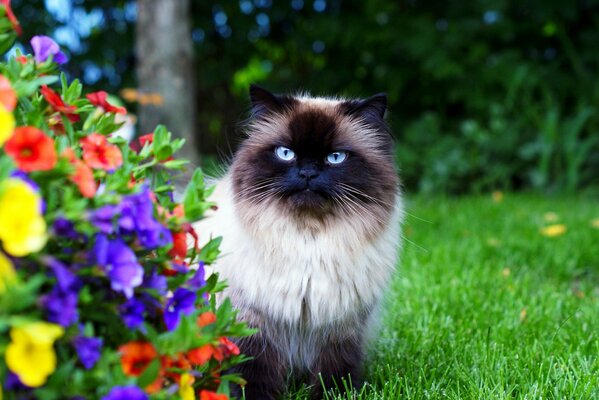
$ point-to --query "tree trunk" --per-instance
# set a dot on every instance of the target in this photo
(164, 50)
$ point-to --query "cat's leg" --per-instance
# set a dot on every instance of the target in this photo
(339, 359)
(265, 373)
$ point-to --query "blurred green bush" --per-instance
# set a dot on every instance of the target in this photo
(483, 94)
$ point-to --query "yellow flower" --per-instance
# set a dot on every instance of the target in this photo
(7, 124)
(553, 230)
(31, 355)
(185, 387)
(22, 226)
(7, 274)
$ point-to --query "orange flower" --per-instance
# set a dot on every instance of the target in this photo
(99, 99)
(206, 318)
(31, 149)
(136, 357)
(203, 354)
(59, 105)
(180, 363)
(209, 395)
(83, 175)
(99, 154)
(8, 97)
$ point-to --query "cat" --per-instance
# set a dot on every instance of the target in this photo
(310, 212)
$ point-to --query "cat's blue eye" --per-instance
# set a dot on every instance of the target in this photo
(284, 153)
(337, 157)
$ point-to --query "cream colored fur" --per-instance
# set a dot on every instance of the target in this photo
(302, 282)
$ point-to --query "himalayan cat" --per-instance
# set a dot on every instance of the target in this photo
(310, 213)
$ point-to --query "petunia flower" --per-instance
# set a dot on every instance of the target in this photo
(126, 393)
(206, 318)
(182, 302)
(99, 99)
(209, 395)
(186, 391)
(61, 307)
(22, 225)
(203, 354)
(11, 17)
(88, 350)
(59, 105)
(8, 96)
(30, 354)
(31, 149)
(132, 313)
(44, 47)
(7, 125)
(172, 365)
(119, 263)
(136, 357)
(82, 176)
(99, 154)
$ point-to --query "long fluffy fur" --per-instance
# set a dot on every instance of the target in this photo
(309, 283)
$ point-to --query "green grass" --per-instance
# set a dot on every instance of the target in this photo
(485, 307)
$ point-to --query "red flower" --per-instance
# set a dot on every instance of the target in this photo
(136, 357)
(58, 104)
(228, 347)
(147, 138)
(31, 149)
(99, 154)
(179, 250)
(83, 175)
(209, 395)
(98, 99)
(8, 97)
(203, 354)
(22, 59)
(11, 16)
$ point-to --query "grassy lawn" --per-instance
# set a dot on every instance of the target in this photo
(486, 307)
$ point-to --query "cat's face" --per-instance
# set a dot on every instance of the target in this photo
(316, 157)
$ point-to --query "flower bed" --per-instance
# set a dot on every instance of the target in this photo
(100, 297)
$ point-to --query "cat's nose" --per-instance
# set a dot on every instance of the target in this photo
(308, 173)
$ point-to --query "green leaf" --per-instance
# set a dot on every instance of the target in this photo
(150, 374)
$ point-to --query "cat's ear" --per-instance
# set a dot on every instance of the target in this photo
(265, 102)
(372, 108)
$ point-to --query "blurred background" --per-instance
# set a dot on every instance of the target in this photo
(483, 95)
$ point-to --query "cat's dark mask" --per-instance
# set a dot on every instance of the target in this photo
(316, 155)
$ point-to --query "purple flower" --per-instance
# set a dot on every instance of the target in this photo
(103, 218)
(88, 349)
(156, 282)
(13, 383)
(65, 228)
(61, 307)
(126, 393)
(135, 217)
(199, 278)
(61, 303)
(183, 301)
(132, 313)
(44, 47)
(119, 263)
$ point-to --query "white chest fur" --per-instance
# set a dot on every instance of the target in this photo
(297, 277)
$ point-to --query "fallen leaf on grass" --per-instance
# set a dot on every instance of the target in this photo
(523, 315)
(550, 217)
(553, 230)
(497, 196)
